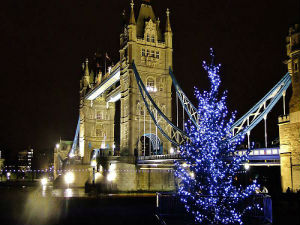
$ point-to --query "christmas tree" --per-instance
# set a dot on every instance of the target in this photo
(209, 161)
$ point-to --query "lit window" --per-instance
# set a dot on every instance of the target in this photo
(152, 53)
(157, 54)
(99, 116)
(153, 39)
(148, 38)
(143, 52)
(151, 85)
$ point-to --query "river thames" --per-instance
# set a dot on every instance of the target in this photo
(40, 205)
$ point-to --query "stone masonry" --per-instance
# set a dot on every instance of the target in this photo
(289, 125)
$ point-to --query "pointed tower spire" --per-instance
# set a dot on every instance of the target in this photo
(132, 18)
(92, 75)
(86, 72)
(168, 24)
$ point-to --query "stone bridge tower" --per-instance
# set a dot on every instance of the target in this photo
(289, 125)
(143, 43)
(96, 117)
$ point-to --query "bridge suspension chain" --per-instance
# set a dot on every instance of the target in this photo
(190, 109)
(174, 134)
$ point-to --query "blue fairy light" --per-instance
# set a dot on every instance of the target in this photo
(206, 176)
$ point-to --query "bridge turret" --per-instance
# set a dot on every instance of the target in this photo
(132, 24)
(86, 75)
(289, 125)
(293, 52)
(143, 42)
(168, 31)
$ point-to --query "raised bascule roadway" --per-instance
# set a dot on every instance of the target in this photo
(142, 81)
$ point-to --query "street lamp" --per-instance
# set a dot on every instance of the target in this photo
(111, 176)
(44, 181)
(247, 166)
(69, 178)
(171, 150)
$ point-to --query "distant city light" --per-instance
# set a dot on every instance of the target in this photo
(8, 175)
(57, 146)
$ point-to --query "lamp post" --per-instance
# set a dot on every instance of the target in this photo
(69, 178)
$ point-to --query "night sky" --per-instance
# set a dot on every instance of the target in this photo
(43, 44)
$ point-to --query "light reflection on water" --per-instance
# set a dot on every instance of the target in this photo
(49, 191)
(67, 193)
(46, 205)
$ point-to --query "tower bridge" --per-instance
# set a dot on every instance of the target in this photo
(141, 81)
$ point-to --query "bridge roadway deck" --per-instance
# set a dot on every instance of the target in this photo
(257, 157)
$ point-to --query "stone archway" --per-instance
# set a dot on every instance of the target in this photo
(150, 143)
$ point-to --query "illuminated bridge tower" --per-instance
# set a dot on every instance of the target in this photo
(96, 117)
(143, 43)
(289, 125)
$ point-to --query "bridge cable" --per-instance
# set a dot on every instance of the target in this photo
(266, 135)
(150, 132)
(169, 130)
(144, 130)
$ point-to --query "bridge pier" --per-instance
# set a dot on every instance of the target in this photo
(124, 174)
(289, 125)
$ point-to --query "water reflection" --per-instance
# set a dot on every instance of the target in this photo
(46, 205)
(40, 210)
(68, 193)
(44, 189)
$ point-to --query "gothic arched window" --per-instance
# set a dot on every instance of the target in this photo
(152, 39)
(148, 38)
